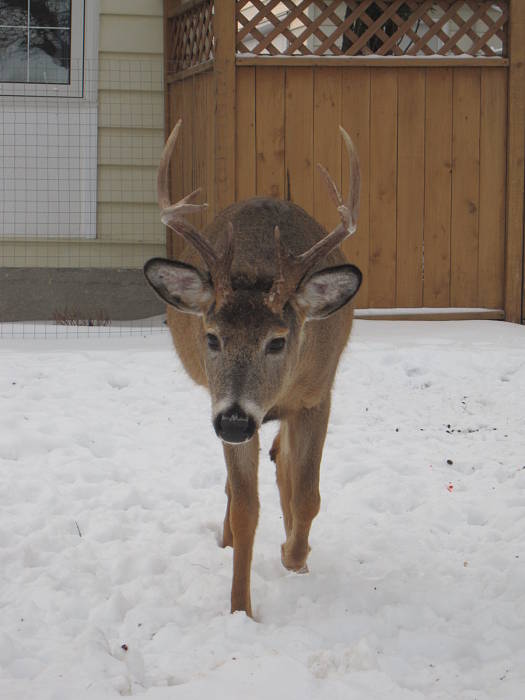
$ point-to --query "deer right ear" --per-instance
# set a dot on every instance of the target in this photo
(180, 285)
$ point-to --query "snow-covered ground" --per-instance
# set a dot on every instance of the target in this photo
(111, 500)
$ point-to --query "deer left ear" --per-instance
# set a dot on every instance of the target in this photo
(328, 290)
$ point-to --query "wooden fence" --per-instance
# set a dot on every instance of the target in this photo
(432, 93)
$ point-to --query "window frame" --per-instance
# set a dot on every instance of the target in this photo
(82, 26)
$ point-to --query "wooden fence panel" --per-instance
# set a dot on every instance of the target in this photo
(410, 186)
(438, 178)
(327, 141)
(193, 162)
(200, 175)
(210, 146)
(224, 30)
(440, 141)
(174, 243)
(189, 135)
(245, 135)
(299, 137)
(514, 241)
(493, 145)
(269, 130)
(355, 118)
(383, 177)
(465, 188)
(432, 146)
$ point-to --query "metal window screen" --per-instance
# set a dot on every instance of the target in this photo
(79, 215)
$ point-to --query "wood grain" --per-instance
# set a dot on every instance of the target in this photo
(514, 264)
(355, 118)
(299, 137)
(491, 285)
(410, 186)
(269, 129)
(383, 176)
(245, 136)
(465, 188)
(438, 180)
(174, 243)
(327, 141)
(225, 118)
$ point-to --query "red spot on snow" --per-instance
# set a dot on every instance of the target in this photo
(450, 487)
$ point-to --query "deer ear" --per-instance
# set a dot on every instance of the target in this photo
(328, 290)
(180, 285)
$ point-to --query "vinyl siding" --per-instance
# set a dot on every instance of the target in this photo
(130, 129)
(130, 136)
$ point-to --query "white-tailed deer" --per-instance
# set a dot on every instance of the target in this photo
(257, 326)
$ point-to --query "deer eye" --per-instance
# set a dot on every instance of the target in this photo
(275, 346)
(213, 341)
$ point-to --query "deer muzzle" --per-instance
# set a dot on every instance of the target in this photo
(234, 425)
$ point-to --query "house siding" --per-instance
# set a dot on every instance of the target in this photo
(130, 136)
(130, 130)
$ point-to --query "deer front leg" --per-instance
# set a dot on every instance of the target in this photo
(242, 512)
(227, 537)
(301, 443)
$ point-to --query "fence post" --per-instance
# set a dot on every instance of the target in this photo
(168, 10)
(224, 28)
(515, 164)
(173, 243)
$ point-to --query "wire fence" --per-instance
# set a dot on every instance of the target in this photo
(79, 215)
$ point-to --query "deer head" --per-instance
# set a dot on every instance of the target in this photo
(251, 340)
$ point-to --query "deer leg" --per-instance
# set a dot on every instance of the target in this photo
(302, 439)
(227, 537)
(283, 482)
(243, 513)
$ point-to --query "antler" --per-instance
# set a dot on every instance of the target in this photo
(291, 269)
(219, 265)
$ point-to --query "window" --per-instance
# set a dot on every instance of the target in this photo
(42, 47)
(36, 47)
(48, 118)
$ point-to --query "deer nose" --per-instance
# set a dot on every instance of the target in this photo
(234, 425)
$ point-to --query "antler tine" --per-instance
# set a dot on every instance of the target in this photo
(292, 268)
(349, 208)
(219, 266)
(169, 211)
(163, 188)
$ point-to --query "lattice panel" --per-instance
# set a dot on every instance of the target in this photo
(366, 27)
(191, 37)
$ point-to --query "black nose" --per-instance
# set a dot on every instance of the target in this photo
(234, 425)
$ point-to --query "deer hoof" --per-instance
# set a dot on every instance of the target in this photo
(293, 563)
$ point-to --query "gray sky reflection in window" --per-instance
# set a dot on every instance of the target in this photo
(35, 41)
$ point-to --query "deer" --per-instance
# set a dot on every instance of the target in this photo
(262, 325)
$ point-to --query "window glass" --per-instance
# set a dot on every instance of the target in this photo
(35, 41)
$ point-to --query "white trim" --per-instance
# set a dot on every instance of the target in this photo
(424, 310)
(91, 35)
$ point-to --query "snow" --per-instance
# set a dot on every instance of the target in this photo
(111, 501)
